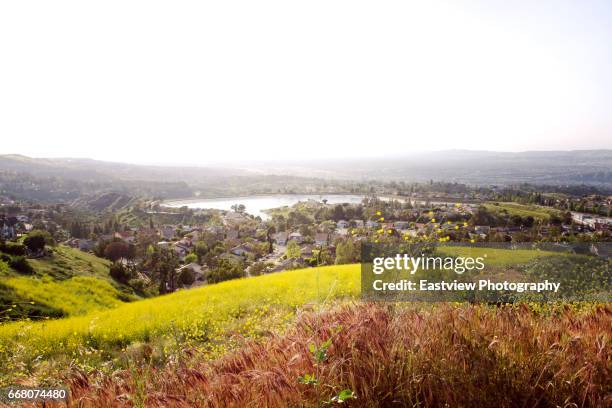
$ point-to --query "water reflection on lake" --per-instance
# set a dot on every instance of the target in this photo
(256, 204)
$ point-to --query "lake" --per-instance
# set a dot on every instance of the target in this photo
(257, 204)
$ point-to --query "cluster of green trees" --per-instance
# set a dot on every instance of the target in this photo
(581, 198)
(15, 253)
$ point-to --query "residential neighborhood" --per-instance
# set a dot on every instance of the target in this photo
(309, 233)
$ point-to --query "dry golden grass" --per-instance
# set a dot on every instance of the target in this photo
(389, 355)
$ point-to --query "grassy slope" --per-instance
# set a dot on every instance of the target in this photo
(205, 316)
(70, 282)
(199, 313)
(75, 296)
(405, 355)
(537, 212)
(494, 256)
(67, 262)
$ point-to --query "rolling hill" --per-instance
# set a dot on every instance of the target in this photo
(270, 340)
(67, 283)
(206, 318)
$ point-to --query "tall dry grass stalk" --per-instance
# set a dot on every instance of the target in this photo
(392, 356)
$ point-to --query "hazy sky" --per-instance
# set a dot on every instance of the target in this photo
(200, 81)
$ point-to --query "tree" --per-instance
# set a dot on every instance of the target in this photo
(226, 270)
(306, 230)
(186, 277)
(36, 240)
(117, 250)
(191, 257)
(239, 208)
(347, 252)
(528, 221)
(259, 268)
(163, 263)
(339, 213)
(201, 249)
(270, 238)
(293, 250)
(324, 257)
(119, 273)
(12, 248)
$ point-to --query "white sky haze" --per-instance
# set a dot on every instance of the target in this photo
(201, 81)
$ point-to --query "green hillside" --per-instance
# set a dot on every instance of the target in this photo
(535, 211)
(69, 282)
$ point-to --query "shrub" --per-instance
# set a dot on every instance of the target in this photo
(119, 273)
(191, 258)
(139, 285)
(226, 270)
(259, 268)
(186, 277)
(35, 242)
(20, 264)
(12, 248)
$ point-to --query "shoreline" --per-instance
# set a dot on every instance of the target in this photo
(179, 202)
(174, 202)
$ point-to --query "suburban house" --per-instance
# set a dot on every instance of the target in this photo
(82, 244)
(232, 217)
(186, 242)
(241, 250)
(357, 223)
(342, 224)
(106, 237)
(371, 224)
(214, 233)
(195, 235)
(306, 251)
(167, 232)
(482, 229)
(281, 238)
(321, 238)
(7, 232)
(180, 249)
(147, 232)
(401, 225)
(197, 271)
(342, 231)
(297, 237)
(232, 234)
(125, 236)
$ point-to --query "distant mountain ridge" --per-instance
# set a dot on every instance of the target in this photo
(593, 167)
(71, 179)
(101, 170)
